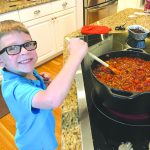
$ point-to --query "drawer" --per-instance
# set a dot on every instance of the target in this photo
(69, 3)
(10, 15)
(34, 12)
(38, 11)
(57, 6)
(62, 5)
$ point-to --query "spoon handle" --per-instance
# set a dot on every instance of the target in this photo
(98, 59)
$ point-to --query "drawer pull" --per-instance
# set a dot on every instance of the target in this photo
(54, 18)
(36, 12)
(64, 4)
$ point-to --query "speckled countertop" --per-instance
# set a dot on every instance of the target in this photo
(71, 131)
(12, 5)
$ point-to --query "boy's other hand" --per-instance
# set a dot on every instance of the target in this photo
(46, 77)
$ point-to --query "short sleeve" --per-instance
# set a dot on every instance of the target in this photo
(24, 93)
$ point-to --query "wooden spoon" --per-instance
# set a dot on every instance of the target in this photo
(104, 63)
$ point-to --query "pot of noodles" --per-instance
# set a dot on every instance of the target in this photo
(127, 91)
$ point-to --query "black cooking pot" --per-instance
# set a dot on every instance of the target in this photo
(116, 99)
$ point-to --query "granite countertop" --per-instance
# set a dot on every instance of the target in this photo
(71, 131)
(12, 5)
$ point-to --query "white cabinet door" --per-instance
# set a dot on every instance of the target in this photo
(48, 28)
(42, 31)
(65, 23)
(49, 32)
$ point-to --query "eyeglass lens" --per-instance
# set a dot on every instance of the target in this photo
(16, 49)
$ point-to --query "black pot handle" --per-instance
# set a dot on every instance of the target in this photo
(122, 94)
(136, 50)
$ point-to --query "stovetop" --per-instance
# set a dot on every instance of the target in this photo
(100, 129)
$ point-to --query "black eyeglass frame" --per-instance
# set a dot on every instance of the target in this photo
(20, 46)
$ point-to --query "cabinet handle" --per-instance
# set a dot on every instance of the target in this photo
(54, 18)
(36, 12)
(64, 4)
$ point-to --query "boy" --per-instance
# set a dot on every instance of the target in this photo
(24, 91)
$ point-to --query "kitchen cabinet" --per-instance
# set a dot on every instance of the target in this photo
(63, 23)
(41, 31)
(10, 15)
(49, 32)
(130, 4)
(37, 20)
(48, 24)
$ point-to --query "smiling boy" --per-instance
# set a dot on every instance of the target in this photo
(29, 100)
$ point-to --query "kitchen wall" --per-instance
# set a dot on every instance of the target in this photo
(130, 4)
(79, 13)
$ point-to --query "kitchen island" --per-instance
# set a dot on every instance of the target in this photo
(72, 137)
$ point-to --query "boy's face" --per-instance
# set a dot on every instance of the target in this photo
(21, 63)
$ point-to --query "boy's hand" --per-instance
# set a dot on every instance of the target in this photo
(46, 77)
(77, 48)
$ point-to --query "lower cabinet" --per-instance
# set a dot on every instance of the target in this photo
(48, 24)
(41, 31)
(49, 32)
(63, 24)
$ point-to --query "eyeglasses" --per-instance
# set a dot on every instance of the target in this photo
(16, 49)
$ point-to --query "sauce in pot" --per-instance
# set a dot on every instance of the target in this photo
(134, 76)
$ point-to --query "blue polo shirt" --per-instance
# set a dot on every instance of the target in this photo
(35, 128)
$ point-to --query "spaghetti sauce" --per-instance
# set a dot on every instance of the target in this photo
(134, 76)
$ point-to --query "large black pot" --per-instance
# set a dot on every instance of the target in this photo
(119, 100)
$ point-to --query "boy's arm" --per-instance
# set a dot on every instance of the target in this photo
(55, 93)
